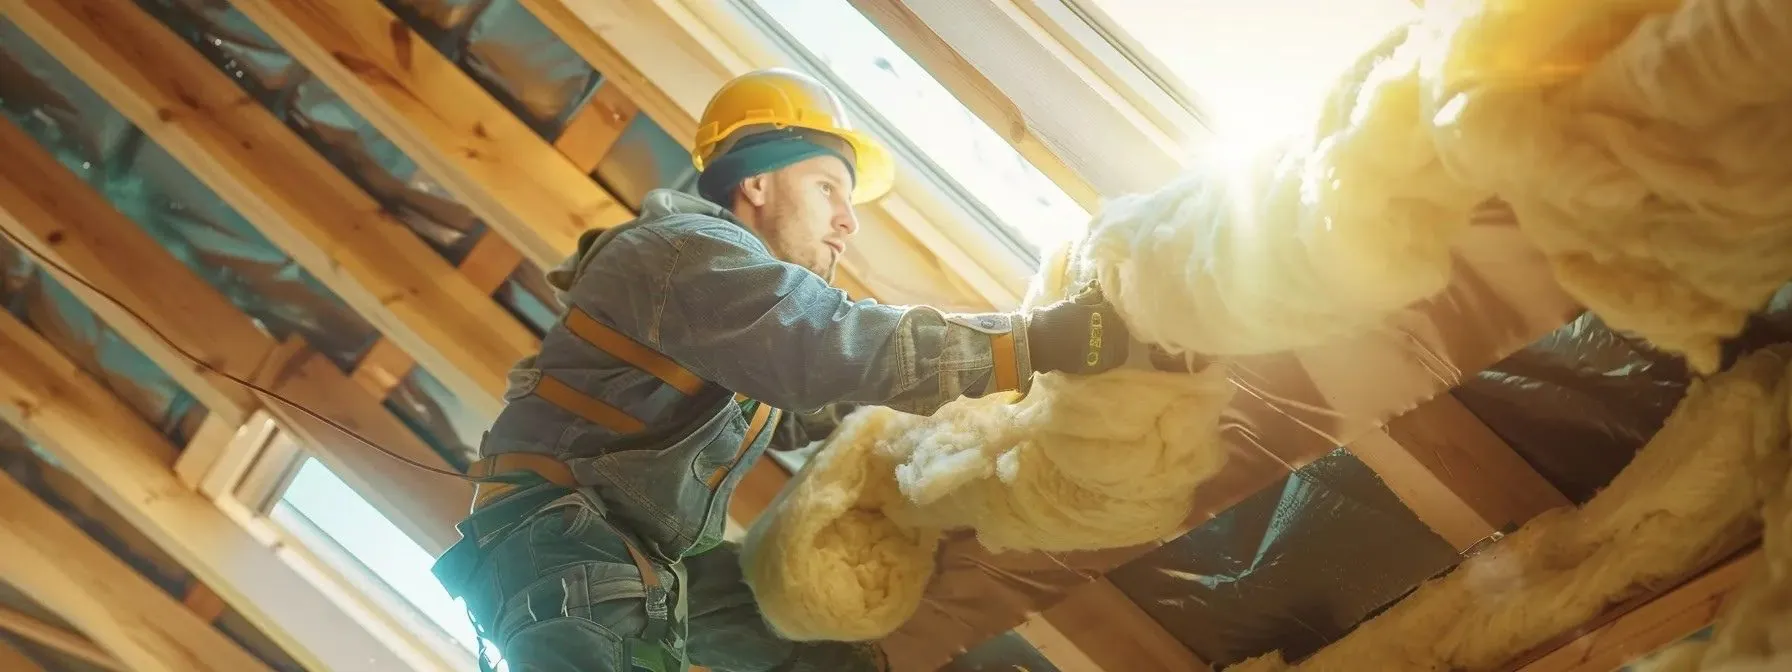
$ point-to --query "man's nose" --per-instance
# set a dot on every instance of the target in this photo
(847, 221)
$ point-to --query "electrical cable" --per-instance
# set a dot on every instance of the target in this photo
(45, 260)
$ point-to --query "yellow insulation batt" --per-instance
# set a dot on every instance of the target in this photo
(1645, 146)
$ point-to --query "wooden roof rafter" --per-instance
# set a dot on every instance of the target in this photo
(529, 192)
(286, 189)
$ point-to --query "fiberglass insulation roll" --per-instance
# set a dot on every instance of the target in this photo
(1644, 145)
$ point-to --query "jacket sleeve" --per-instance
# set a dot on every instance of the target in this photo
(711, 297)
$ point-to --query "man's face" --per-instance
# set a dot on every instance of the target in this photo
(804, 213)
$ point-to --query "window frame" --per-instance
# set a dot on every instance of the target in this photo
(247, 478)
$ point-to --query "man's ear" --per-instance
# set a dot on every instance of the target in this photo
(755, 188)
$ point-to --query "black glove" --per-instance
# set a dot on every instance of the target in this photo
(1082, 334)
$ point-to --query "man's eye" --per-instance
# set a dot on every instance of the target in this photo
(827, 189)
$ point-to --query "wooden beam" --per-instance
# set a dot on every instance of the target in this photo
(53, 212)
(649, 49)
(594, 128)
(68, 643)
(513, 179)
(426, 506)
(1097, 627)
(295, 197)
(102, 245)
(14, 660)
(203, 602)
(119, 457)
(487, 266)
(1664, 620)
(647, 94)
(976, 92)
(50, 560)
(1460, 478)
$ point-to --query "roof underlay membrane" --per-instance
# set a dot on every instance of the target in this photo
(1291, 556)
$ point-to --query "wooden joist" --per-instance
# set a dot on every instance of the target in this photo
(14, 660)
(976, 92)
(54, 213)
(650, 52)
(1460, 478)
(1662, 621)
(100, 244)
(1097, 627)
(646, 94)
(62, 641)
(596, 127)
(588, 136)
(121, 458)
(499, 167)
(287, 190)
(52, 561)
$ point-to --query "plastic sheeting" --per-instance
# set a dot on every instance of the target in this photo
(437, 416)
(1292, 567)
(1580, 402)
(1291, 410)
(1298, 564)
(156, 192)
(1577, 404)
(1007, 652)
(36, 299)
(645, 158)
(240, 49)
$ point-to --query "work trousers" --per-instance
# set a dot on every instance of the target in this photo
(560, 592)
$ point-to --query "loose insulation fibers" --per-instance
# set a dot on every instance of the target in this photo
(1645, 146)
(1692, 494)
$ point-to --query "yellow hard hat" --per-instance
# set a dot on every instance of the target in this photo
(781, 98)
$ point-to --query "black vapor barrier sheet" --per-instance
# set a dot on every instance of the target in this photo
(1300, 563)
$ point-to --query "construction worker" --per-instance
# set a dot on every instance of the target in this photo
(595, 542)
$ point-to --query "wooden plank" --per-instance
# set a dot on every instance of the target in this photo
(424, 505)
(1097, 627)
(102, 245)
(119, 457)
(68, 643)
(287, 190)
(654, 53)
(49, 210)
(593, 129)
(58, 566)
(1667, 619)
(1461, 479)
(491, 261)
(756, 490)
(976, 92)
(513, 179)
(618, 71)
(203, 602)
(382, 368)
(14, 660)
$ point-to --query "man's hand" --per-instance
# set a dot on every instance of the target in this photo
(1082, 334)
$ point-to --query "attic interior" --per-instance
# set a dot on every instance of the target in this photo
(357, 198)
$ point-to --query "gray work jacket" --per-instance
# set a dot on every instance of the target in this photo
(692, 284)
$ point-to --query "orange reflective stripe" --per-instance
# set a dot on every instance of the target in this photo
(1007, 374)
(761, 417)
(582, 405)
(588, 329)
(547, 467)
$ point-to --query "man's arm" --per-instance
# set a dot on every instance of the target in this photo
(710, 296)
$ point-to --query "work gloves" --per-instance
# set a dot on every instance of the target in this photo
(1082, 335)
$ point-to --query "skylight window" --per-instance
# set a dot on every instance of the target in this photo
(320, 498)
(1258, 68)
(1025, 202)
